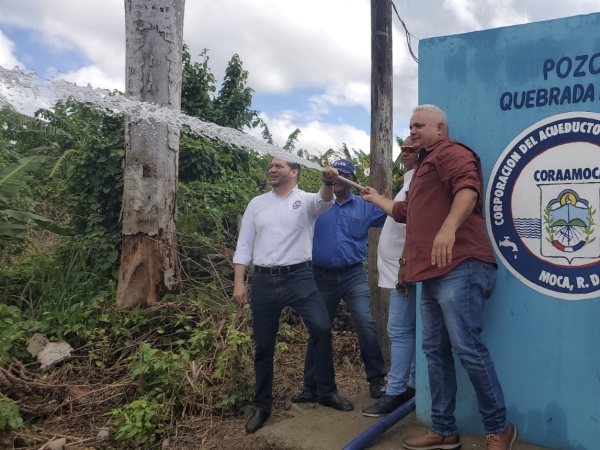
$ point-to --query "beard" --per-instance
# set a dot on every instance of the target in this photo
(280, 180)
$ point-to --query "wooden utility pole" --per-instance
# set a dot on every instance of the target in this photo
(381, 146)
(149, 263)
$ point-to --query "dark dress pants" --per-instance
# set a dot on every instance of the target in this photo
(270, 294)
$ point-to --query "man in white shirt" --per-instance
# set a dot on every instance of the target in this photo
(277, 232)
(402, 313)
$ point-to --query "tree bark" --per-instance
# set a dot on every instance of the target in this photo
(381, 146)
(149, 263)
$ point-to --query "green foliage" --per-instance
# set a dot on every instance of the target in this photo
(14, 332)
(197, 86)
(204, 160)
(231, 107)
(60, 301)
(9, 414)
(16, 176)
(13, 178)
(141, 421)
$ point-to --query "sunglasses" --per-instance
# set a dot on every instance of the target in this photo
(346, 175)
(407, 148)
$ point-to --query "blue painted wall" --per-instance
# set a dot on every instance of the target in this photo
(546, 349)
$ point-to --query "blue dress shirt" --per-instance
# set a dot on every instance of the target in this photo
(341, 233)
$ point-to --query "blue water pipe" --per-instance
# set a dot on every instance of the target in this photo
(363, 440)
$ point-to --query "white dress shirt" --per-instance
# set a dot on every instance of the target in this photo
(278, 231)
(391, 243)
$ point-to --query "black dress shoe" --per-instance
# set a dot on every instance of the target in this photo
(305, 397)
(257, 420)
(336, 401)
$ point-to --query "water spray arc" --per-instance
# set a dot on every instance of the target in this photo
(17, 84)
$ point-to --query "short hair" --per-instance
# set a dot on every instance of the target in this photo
(435, 109)
(294, 166)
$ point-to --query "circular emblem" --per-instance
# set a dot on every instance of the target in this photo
(543, 206)
(296, 204)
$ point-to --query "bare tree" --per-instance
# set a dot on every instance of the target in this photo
(381, 145)
(149, 263)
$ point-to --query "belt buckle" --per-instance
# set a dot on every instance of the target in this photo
(275, 270)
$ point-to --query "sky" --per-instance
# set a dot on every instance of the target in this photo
(309, 61)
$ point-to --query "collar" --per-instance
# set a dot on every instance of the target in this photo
(351, 197)
(295, 188)
(424, 151)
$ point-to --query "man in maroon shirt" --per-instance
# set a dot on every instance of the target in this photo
(449, 252)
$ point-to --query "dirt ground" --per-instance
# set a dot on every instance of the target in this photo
(291, 427)
(313, 427)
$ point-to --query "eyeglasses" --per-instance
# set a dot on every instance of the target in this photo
(407, 148)
(345, 175)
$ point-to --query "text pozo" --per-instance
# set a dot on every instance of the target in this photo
(577, 67)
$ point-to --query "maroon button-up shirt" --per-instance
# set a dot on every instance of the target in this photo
(443, 169)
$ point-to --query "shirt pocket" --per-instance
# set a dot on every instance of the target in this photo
(356, 227)
(425, 171)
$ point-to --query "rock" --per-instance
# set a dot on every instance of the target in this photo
(165, 444)
(52, 354)
(36, 344)
(295, 407)
(103, 433)
(247, 410)
(57, 444)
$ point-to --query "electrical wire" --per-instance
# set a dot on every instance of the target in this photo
(409, 35)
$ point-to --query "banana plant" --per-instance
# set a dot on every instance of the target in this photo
(13, 178)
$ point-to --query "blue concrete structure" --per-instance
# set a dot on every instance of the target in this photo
(516, 92)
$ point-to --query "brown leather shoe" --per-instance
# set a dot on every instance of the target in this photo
(432, 441)
(504, 440)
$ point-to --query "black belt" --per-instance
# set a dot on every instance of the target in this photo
(282, 270)
(339, 270)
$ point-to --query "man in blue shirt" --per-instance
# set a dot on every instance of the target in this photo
(339, 249)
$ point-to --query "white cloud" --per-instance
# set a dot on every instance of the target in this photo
(350, 94)
(7, 58)
(464, 10)
(476, 15)
(95, 28)
(286, 45)
(93, 76)
(316, 137)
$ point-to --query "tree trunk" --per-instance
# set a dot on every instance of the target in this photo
(381, 146)
(149, 263)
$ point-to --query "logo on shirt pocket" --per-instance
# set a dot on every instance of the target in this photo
(297, 204)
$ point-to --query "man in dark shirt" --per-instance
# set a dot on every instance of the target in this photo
(448, 251)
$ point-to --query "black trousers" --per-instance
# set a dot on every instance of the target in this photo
(270, 294)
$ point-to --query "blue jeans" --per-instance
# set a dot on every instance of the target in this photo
(401, 328)
(270, 294)
(351, 285)
(452, 313)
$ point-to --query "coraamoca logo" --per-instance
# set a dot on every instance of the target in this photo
(543, 206)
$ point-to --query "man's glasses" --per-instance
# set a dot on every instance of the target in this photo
(407, 148)
(345, 175)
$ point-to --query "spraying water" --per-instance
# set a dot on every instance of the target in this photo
(18, 84)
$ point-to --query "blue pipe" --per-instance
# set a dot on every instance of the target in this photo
(363, 440)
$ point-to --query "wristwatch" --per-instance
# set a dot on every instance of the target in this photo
(328, 183)
(402, 262)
